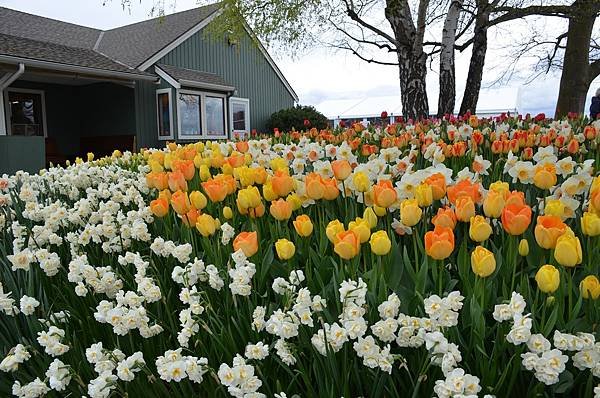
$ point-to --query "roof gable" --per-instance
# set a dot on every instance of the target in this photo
(136, 43)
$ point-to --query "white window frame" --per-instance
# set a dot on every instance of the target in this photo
(8, 112)
(246, 102)
(172, 135)
(203, 135)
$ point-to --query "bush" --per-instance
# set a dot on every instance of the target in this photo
(293, 118)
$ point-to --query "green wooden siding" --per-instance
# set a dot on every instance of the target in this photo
(242, 65)
(21, 153)
(145, 114)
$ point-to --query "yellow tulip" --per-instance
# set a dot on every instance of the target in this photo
(285, 249)
(410, 212)
(483, 262)
(590, 224)
(227, 213)
(206, 225)
(198, 200)
(547, 278)
(501, 187)
(590, 287)
(294, 200)
(568, 251)
(380, 243)
(249, 198)
(555, 207)
(361, 182)
(370, 216)
(204, 173)
(479, 229)
(303, 225)
(333, 228)
(493, 204)
(380, 211)
(362, 229)
(268, 192)
(523, 247)
(424, 195)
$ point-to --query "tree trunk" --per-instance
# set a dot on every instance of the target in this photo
(447, 80)
(413, 90)
(412, 60)
(475, 75)
(575, 79)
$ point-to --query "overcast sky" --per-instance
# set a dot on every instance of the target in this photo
(317, 75)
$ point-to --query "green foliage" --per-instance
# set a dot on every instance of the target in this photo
(293, 119)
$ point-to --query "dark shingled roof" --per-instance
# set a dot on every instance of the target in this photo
(34, 27)
(57, 53)
(134, 44)
(194, 75)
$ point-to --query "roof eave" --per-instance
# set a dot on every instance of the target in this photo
(38, 63)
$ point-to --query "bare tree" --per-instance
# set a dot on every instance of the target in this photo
(447, 76)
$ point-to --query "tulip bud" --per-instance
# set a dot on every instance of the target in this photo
(206, 225)
(361, 182)
(361, 227)
(568, 252)
(198, 200)
(547, 278)
(479, 229)
(347, 245)
(523, 247)
(424, 195)
(370, 216)
(285, 249)
(410, 212)
(303, 225)
(590, 224)
(227, 213)
(590, 287)
(333, 228)
(483, 262)
(380, 243)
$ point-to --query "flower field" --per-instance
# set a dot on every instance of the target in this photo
(439, 258)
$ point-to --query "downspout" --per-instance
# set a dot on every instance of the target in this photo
(6, 81)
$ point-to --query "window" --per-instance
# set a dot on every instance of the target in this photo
(215, 116)
(240, 116)
(190, 120)
(165, 121)
(26, 112)
(201, 115)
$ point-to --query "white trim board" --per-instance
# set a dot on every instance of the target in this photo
(171, 115)
(245, 101)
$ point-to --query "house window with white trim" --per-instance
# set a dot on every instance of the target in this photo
(164, 117)
(240, 116)
(201, 115)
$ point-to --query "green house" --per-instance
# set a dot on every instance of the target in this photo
(66, 90)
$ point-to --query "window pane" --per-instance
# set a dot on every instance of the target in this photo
(164, 115)
(189, 113)
(26, 117)
(238, 110)
(215, 115)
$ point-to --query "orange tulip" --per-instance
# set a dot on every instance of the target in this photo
(545, 176)
(331, 189)
(347, 244)
(180, 202)
(159, 207)
(516, 218)
(515, 198)
(190, 217)
(464, 188)
(314, 186)
(548, 230)
(439, 243)
(282, 183)
(303, 225)
(187, 168)
(595, 198)
(281, 209)
(215, 190)
(341, 169)
(465, 208)
(242, 146)
(445, 217)
(177, 181)
(247, 242)
(384, 194)
(437, 182)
